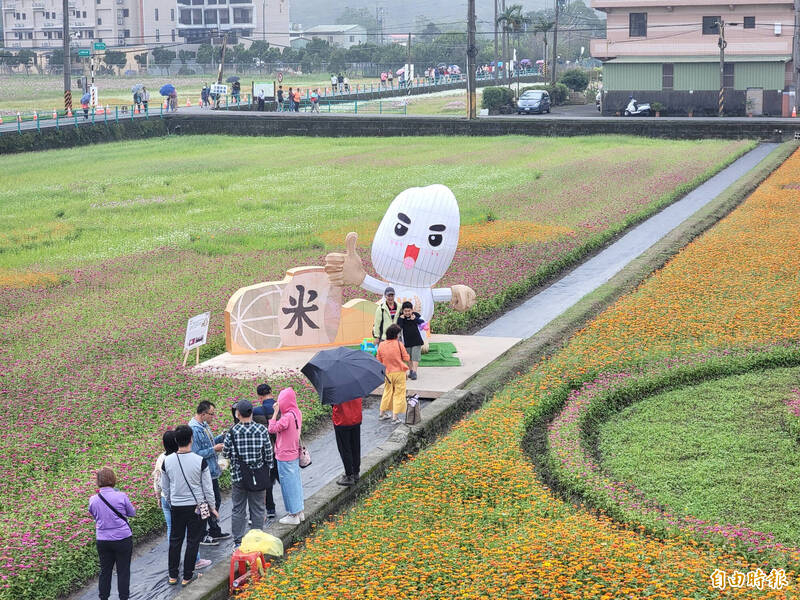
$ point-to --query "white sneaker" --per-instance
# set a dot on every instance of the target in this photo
(290, 520)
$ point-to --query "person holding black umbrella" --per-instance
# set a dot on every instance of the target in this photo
(347, 427)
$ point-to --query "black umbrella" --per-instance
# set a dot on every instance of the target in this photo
(341, 374)
(232, 79)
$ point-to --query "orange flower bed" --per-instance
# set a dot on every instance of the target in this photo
(27, 279)
(476, 236)
(468, 517)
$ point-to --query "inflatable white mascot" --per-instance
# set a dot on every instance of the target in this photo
(412, 250)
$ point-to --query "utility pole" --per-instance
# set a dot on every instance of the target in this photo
(407, 74)
(221, 62)
(504, 41)
(472, 54)
(796, 56)
(721, 43)
(496, 57)
(67, 73)
(555, 45)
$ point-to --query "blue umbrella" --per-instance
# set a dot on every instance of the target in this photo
(341, 374)
(167, 89)
(85, 98)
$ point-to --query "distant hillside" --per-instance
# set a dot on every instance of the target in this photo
(400, 15)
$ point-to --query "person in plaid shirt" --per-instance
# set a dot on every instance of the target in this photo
(253, 447)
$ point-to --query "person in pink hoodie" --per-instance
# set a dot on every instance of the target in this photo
(286, 424)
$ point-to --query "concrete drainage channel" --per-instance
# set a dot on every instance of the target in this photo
(723, 192)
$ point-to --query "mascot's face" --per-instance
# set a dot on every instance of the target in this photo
(417, 237)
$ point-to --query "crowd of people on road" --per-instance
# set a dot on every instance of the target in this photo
(263, 446)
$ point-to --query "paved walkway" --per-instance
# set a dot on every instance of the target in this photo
(148, 571)
(532, 315)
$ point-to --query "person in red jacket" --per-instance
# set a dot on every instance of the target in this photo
(347, 427)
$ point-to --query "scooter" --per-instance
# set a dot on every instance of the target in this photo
(634, 109)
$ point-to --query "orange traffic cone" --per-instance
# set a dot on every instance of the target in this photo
(136, 110)
(794, 111)
(69, 112)
(1, 119)
(166, 105)
(188, 102)
(55, 114)
(35, 117)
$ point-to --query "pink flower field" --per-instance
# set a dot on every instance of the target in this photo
(90, 369)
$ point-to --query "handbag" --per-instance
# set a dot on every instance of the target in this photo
(305, 455)
(253, 480)
(116, 512)
(413, 410)
(202, 508)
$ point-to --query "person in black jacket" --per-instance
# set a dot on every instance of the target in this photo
(409, 321)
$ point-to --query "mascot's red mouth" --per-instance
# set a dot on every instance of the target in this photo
(410, 257)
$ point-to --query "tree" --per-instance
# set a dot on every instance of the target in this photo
(575, 79)
(26, 58)
(206, 54)
(358, 16)
(162, 56)
(185, 55)
(513, 22)
(115, 58)
(543, 25)
(56, 58)
(141, 59)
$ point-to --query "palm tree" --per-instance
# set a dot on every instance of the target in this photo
(513, 22)
(543, 26)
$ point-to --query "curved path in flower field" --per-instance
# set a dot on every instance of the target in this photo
(149, 565)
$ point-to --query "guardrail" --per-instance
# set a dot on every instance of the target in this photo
(61, 118)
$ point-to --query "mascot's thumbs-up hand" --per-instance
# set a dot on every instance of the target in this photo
(346, 269)
(463, 297)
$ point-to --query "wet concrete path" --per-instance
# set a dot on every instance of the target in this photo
(148, 570)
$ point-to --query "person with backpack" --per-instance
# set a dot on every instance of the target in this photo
(187, 487)
(286, 428)
(280, 98)
(114, 536)
(296, 99)
(315, 101)
(249, 449)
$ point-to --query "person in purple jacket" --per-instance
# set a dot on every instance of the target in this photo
(111, 509)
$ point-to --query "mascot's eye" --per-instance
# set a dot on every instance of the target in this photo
(401, 229)
(435, 239)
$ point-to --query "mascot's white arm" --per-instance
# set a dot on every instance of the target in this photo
(376, 286)
(442, 294)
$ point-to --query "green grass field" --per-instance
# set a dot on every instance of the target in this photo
(719, 451)
(222, 195)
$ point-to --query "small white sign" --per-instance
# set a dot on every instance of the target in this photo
(267, 88)
(196, 331)
(219, 88)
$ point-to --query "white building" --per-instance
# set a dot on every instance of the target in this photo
(37, 24)
(343, 36)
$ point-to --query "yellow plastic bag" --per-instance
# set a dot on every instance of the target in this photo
(256, 540)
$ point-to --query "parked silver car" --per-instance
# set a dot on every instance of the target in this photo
(534, 101)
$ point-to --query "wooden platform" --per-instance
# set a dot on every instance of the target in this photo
(475, 353)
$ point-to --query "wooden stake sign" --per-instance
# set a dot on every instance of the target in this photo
(196, 336)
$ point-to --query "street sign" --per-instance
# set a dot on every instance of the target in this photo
(99, 46)
(280, 77)
(219, 88)
(84, 52)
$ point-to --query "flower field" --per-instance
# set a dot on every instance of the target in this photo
(470, 518)
(107, 250)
